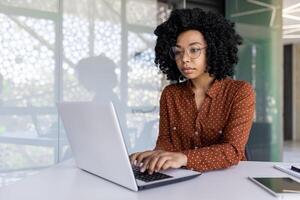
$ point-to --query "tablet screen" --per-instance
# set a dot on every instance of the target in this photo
(280, 184)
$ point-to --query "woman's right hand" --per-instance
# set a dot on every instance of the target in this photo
(158, 160)
(137, 158)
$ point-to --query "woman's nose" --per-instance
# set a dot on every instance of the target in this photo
(185, 56)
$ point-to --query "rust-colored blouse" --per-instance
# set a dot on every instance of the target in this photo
(214, 136)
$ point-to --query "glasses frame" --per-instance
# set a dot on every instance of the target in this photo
(173, 57)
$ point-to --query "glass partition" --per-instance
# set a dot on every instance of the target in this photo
(260, 63)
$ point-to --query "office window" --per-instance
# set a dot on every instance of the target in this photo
(28, 135)
(73, 50)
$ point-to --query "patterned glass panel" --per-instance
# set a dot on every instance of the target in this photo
(49, 5)
(27, 62)
(88, 50)
(28, 119)
(144, 85)
(141, 12)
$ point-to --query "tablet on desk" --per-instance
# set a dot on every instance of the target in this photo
(279, 186)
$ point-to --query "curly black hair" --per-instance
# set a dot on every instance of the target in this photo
(219, 34)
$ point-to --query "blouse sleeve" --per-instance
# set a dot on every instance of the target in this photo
(164, 140)
(236, 133)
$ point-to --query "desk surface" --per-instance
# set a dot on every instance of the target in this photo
(65, 181)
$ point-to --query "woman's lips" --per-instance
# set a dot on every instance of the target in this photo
(187, 70)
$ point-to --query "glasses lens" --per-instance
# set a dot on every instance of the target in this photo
(194, 52)
(175, 53)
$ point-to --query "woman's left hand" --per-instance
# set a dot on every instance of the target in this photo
(162, 160)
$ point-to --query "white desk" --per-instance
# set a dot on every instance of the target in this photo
(66, 182)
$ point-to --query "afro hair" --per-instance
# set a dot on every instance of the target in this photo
(219, 34)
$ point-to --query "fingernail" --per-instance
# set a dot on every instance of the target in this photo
(141, 164)
(142, 170)
(134, 162)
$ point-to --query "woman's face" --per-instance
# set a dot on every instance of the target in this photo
(190, 54)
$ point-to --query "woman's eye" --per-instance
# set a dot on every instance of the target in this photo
(194, 50)
(177, 52)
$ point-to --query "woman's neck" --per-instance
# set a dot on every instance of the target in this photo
(202, 83)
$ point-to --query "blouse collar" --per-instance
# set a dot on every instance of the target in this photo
(212, 92)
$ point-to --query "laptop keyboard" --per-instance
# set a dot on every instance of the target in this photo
(144, 176)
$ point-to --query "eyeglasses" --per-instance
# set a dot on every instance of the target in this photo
(178, 53)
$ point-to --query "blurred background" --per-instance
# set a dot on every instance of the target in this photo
(93, 50)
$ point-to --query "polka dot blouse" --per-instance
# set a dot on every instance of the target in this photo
(213, 136)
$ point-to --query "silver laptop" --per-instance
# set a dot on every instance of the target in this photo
(98, 147)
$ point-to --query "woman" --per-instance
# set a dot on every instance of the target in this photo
(205, 117)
